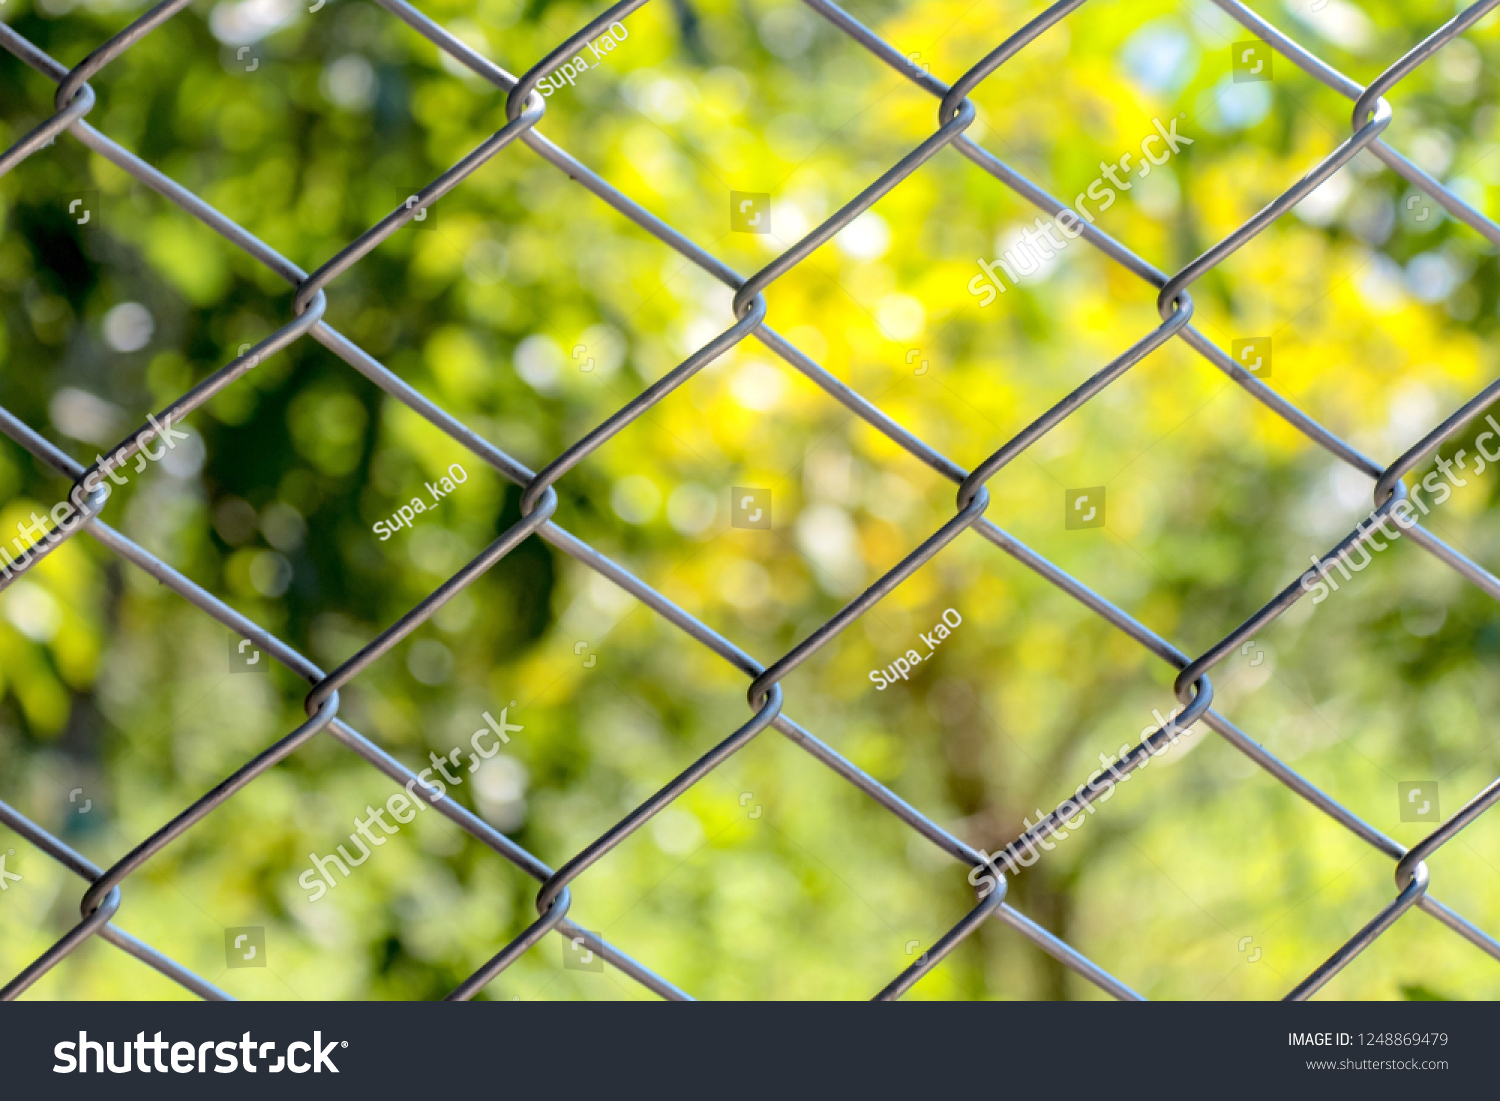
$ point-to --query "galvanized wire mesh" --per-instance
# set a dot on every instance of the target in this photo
(1372, 115)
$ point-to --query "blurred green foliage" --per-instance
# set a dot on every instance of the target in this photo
(1381, 325)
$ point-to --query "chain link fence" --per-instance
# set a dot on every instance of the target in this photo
(103, 898)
